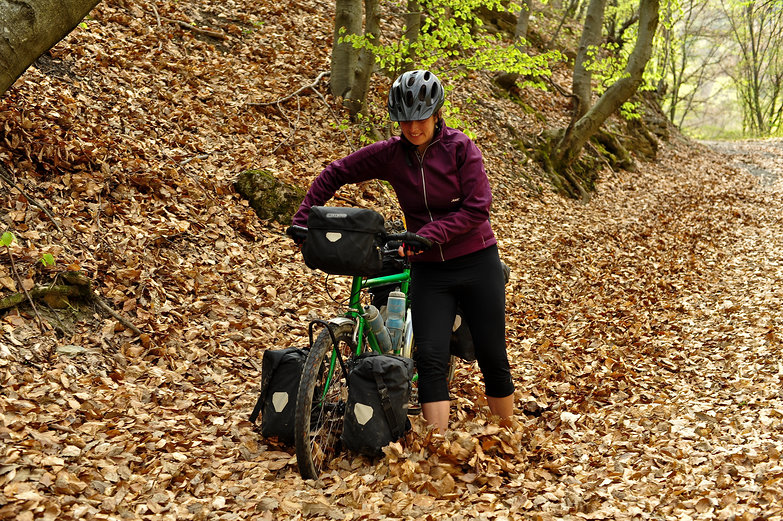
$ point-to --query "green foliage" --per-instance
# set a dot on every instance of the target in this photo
(630, 111)
(607, 64)
(454, 119)
(342, 126)
(366, 124)
(47, 259)
(6, 239)
(607, 61)
(452, 43)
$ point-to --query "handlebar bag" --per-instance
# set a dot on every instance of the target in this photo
(344, 241)
(376, 412)
(281, 370)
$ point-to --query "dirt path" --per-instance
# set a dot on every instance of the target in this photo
(760, 157)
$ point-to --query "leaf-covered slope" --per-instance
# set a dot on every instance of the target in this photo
(643, 327)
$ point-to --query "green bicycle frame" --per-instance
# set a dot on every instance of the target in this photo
(356, 313)
(355, 310)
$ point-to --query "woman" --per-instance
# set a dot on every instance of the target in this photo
(438, 175)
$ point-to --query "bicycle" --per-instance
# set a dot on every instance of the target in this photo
(323, 388)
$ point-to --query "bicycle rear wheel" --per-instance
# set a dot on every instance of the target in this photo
(320, 406)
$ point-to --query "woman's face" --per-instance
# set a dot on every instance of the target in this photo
(420, 132)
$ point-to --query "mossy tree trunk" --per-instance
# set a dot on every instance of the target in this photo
(412, 30)
(588, 42)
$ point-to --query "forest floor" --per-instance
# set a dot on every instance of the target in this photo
(644, 326)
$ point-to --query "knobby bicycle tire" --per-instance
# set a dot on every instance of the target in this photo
(319, 411)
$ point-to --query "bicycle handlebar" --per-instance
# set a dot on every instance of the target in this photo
(393, 240)
(409, 240)
(297, 233)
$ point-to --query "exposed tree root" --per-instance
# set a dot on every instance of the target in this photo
(57, 295)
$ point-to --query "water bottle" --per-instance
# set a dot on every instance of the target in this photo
(395, 317)
(375, 321)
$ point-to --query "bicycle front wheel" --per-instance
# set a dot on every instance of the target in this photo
(320, 405)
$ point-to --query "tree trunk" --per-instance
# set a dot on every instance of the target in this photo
(508, 80)
(591, 37)
(412, 30)
(347, 20)
(366, 61)
(28, 28)
(617, 94)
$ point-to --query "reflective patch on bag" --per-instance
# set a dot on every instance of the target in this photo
(379, 388)
(461, 342)
(334, 236)
(280, 372)
(363, 413)
(279, 400)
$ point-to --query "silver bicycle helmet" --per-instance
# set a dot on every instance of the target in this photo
(415, 95)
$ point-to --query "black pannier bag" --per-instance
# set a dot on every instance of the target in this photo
(376, 413)
(281, 370)
(344, 241)
(461, 343)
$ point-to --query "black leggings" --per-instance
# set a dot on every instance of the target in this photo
(475, 282)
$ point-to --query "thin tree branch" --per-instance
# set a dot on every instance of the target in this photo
(6, 176)
(108, 309)
(281, 100)
(199, 30)
(560, 89)
(347, 139)
(312, 87)
(293, 127)
(21, 284)
(157, 16)
(78, 279)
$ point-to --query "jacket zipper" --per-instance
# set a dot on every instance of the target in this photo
(424, 190)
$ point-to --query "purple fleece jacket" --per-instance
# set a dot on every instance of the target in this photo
(444, 194)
